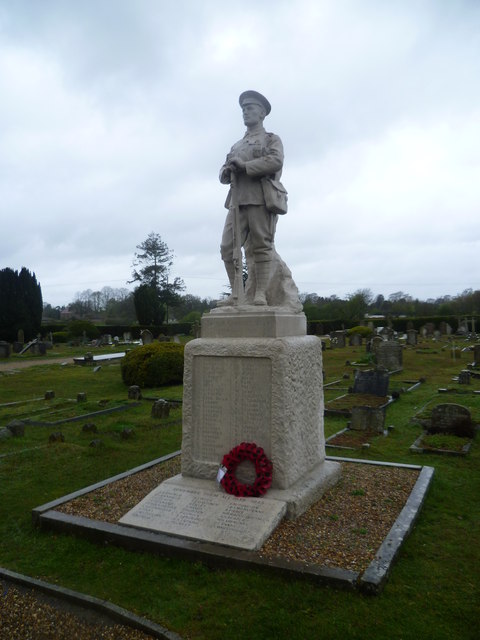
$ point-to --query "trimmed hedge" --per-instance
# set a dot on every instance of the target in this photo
(154, 365)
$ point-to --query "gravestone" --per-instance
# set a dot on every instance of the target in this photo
(337, 339)
(476, 355)
(389, 354)
(4, 349)
(146, 336)
(464, 377)
(160, 409)
(134, 392)
(412, 337)
(374, 382)
(367, 419)
(430, 329)
(375, 342)
(447, 418)
(39, 348)
(20, 336)
(355, 340)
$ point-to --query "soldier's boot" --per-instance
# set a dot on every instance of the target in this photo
(228, 301)
(262, 278)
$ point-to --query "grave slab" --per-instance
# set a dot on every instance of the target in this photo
(200, 510)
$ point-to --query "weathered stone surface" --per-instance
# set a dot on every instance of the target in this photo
(374, 382)
(134, 392)
(389, 354)
(367, 419)
(4, 349)
(200, 510)
(160, 409)
(267, 391)
(250, 322)
(16, 428)
(5, 434)
(451, 418)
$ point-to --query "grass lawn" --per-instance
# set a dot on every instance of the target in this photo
(433, 591)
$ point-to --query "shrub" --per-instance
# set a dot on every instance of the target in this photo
(60, 336)
(154, 365)
(364, 332)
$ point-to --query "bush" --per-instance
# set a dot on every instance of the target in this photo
(364, 332)
(154, 365)
(60, 336)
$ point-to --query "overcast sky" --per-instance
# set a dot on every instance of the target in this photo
(116, 115)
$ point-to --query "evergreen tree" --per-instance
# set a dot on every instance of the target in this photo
(151, 268)
(21, 304)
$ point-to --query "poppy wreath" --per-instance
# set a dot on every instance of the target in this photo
(263, 469)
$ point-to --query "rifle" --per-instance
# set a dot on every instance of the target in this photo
(238, 292)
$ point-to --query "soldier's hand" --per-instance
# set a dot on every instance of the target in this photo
(237, 165)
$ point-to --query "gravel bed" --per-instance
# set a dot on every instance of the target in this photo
(28, 615)
(344, 529)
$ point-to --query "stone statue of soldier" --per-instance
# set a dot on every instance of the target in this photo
(256, 155)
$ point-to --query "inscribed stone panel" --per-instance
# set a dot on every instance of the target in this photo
(231, 404)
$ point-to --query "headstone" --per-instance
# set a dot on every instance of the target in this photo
(20, 336)
(437, 335)
(389, 354)
(39, 348)
(375, 342)
(49, 395)
(430, 329)
(146, 336)
(463, 327)
(81, 397)
(337, 339)
(355, 340)
(367, 419)
(127, 336)
(16, 428)
(476, 354)
(160, 409)
(451, 418)
(4, 349)
(134, 392)
(464, 377)
(374, 382)
(412, 337)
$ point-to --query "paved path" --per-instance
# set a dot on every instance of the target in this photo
(11, 365)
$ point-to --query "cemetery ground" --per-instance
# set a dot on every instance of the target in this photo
(432, 591)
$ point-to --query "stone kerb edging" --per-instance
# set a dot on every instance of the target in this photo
(106, 609)
(371, 581)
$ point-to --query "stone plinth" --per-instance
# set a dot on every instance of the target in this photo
(248, 322)
(265, 388)
(267, 391)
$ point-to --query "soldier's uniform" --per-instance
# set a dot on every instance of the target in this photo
(263, 155)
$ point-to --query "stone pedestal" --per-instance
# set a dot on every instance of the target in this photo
(265, 387)
(253, 376)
